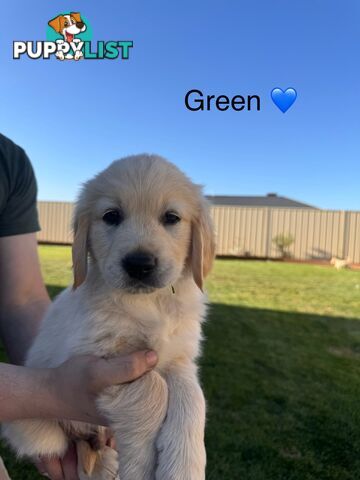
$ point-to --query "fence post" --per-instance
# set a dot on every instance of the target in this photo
(346, 246)
(268, 232)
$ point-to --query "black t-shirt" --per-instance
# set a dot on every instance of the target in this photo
(18, 191)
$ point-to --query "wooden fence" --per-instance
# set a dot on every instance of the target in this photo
(249, 232)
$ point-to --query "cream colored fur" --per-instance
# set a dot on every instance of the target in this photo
(158, 420)
(340, 263)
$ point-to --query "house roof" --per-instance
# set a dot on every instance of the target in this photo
(269, 200)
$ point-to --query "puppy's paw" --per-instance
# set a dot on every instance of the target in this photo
(104, 466)
(110, 463)
(78, 55)
(60, 55)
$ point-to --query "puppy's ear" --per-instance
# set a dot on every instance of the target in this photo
(76, 16)
(202, 245)
(55, 23)
(80, 249)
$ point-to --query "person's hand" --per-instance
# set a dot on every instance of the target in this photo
(75, 385)
(59, 468)
(77, 382)
(66, 468)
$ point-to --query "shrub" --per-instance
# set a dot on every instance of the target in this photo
(283, 242)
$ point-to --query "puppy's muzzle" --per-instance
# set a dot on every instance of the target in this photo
(139, 265)
(80, 25)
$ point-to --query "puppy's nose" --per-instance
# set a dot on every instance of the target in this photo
(80, 24)
(139, 264)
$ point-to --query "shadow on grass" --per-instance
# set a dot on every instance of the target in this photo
(283, 393)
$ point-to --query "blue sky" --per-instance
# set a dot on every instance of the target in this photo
(74, 118)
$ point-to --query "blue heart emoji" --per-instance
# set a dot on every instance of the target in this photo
(283, 99)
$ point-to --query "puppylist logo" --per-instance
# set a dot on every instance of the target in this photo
(68, 37)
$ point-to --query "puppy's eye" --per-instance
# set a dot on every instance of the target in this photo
(170, 218)
(113, 217)
(66, 24)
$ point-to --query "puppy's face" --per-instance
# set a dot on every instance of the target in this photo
(145, 223)
(68, 25)
(140, 239)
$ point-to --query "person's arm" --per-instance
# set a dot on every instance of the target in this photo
(68, 391)
(23, 296)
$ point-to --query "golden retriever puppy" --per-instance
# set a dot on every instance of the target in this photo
(142, 247)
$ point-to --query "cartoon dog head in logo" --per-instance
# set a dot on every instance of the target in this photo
(68, 26)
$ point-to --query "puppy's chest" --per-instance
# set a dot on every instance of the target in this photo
(171, 329)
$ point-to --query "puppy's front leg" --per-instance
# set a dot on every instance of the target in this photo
(136, 412)
(180, 442)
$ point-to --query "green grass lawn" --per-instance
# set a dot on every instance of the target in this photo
(280, 370)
